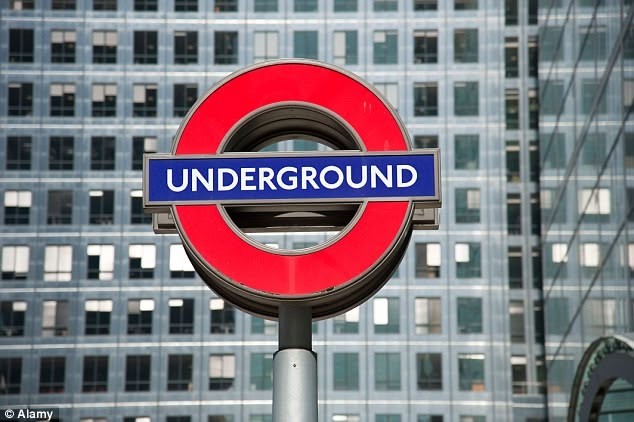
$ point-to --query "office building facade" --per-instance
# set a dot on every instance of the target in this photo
(107, 321)
(586, 80)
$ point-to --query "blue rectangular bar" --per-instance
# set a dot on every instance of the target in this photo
(337, 177)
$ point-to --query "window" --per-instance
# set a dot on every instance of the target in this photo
(261, 375)
(346, 371)
(181, 316)
(225, 5)
(511, 59)
(17, 207)
(20, 99)
(19, 152)
(137, 215)
(60, 153)
(222, 317)
(15, 262)
(550, 43)
(467, 152)
(389, 91)
(385, 47)
(429, 371)
(514, 213)
(305, 44)
(427, 315)
(469, 315)
(265, 46)
(22, 4)
(347, 323)
(137, 373)
(95, 378)
(467, 205)
(465, 4)
(178, 419)
(262, 326)
(21, 45)
(104, 4)
(387, 371)
(140, 316)
(98, 317)
(185, 47)
(179, 373)
(104, 100)
(145, 5)
(387, 418)
(422, 5)
(471, 372)
(101, 207)
(54, 318)
(426, 141)
(595, 204)
(593, 150)
(554, 155)
(465, 45)
(345, 47)
(63, 5)
(533, 109)
(426, 46)
(104, 47)
(516, 313)
(12, 318)
(144, 100)
(62, 100)
(141, 145)
(102, 153)
(142, 260)
(345, 5)
(552, 97)
(222, 371)
(593, 43)
(466, 98)
(426, 99)
(518, 375)
(429, 418)
(220, 418)
(305, 5)
(345, 418)
(533, 60)
(63, 46)
(515, 267)
(512, 109)
(386, 315)
(510, 13)
(184, 97)
(100, 262)
(58, 263)
(186, 5)
(10, 375)
(590, 88)
(225, 47)
(180, 265)
(471, 418)
(385, 5)
(467, 257)
(512, 161)
(145, 47)
(60, 207)
(52, 374)
(265, 5)
(428, 260)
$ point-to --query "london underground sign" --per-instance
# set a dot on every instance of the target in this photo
(215, 175)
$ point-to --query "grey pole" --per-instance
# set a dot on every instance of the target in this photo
(295, 368)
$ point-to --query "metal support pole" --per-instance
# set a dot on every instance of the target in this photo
(295, 368)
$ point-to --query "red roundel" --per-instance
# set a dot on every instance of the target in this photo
(301, 274)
